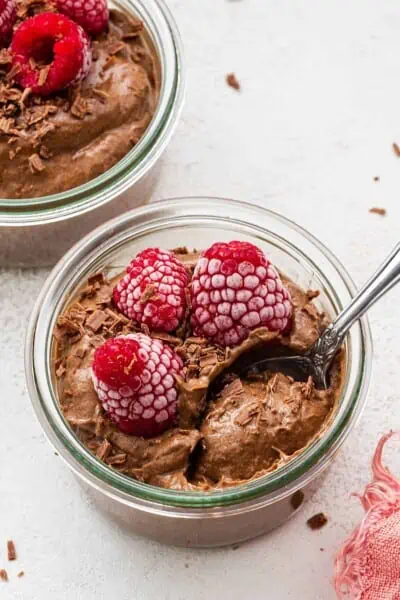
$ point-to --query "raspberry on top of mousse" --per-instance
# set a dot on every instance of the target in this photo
(55, 44)
(134, 378)
(153, 291)
(234, 289)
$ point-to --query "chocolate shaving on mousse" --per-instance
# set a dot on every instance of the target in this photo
(117, 459)
(115, 47)
(13, 153)
(29, 8)
(5, 57)
(3, 575)
(44, 152)
(104, 450)
(96, 320)
(80, 107)
(60, 370)
(11, 551)
(317, 521)
(136, 28)
(100, 94)
(35, 163)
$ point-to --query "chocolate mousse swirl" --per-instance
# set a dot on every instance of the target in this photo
(231, 429)
(50, 145)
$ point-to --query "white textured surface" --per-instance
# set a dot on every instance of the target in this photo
(312, 126)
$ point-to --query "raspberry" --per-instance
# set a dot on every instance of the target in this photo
(54, 41)
(234, 290)
(92, 15)
(153, 290)
(7, 18)
(133, 376)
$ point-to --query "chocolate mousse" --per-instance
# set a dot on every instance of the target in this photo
(231, 428)
(52, 143)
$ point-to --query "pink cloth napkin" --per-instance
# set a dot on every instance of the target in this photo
(368, 565)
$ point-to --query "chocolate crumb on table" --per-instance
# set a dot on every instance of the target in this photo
(11, 552)
(378, 211)
(3, 575)
(232, 81)
(317, 521)
(21, 574)
(396, 149)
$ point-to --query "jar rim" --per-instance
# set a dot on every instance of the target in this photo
(80, 259)
(163, 31)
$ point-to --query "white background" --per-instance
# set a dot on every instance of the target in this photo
(313, 124)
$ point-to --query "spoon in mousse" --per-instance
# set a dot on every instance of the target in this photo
(317, 360)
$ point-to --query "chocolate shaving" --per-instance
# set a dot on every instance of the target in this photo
(97, 278)
(396, 149)
(44, 152)
(378, 211)
(117, 459)
(148, 293)
(43, 73)
(317, 521)
(96, 320)
(116, 47)
(11, 551)
(232, 81)
(15, 69)
(5, 57)
(35, 164)
(60, 370)
(136, 29)
(79, 109)
(104, 450)
(13, 153)
(3, 575)
(21, 574)
(25, 95)
(100, 94)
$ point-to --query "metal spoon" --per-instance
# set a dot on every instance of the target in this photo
(318, 358)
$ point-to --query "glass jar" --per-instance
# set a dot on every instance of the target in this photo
(38, 231)
(198, 518)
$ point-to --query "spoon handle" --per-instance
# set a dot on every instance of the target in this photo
(387, 275)
(381, 282)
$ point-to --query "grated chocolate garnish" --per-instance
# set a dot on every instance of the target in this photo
(117, 459)
(103, 450)
(36, 164)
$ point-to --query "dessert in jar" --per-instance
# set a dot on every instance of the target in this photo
(150, 367)
(221, 456)
(89, 97)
